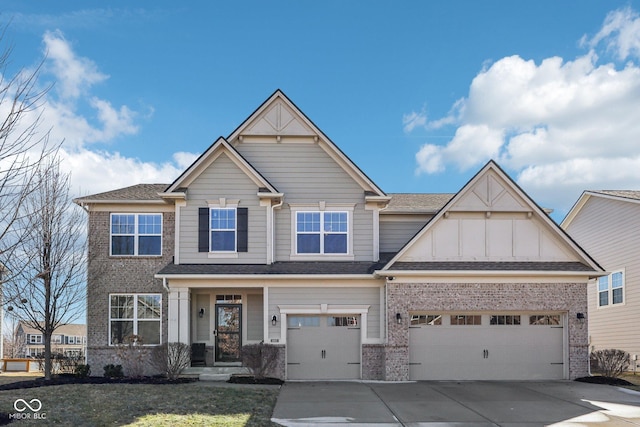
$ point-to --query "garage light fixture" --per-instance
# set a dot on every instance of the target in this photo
(580, 315)
(399, 318)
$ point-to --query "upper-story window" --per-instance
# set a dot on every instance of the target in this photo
(611, 289)
(322, 232)
(136, 234)
(35, 339)
(223, 230)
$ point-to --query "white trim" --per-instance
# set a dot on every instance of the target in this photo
(135, 318)
(136, 235)
(321, 207)
(325, 309)
(178, 220)
(609, 277)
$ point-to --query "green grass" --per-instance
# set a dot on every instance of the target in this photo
(191, 404)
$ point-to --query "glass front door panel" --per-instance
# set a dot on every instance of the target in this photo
(228, 339)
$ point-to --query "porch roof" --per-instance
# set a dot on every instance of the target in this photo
(337, 268)
(492, 266)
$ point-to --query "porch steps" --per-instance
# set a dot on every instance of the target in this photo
(214, 373)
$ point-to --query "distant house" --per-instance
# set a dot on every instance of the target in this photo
(68, 340)
(274, 235)
(607, 225)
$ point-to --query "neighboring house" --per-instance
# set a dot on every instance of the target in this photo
(274, 235)
(68, 340)
(607, 224)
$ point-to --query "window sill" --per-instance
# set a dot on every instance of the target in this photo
(223, 255)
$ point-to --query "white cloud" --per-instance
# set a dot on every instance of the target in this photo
(413, 120)
(74, 115)
(559, 126)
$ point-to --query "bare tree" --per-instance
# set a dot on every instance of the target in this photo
(50, 288)
(15, 344)
(22, 147)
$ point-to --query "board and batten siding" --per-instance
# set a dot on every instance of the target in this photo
(306, 174)
(223, 179)
(396, 230)
(334, 296)
(609, 230)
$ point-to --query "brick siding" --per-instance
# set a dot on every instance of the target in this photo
(107, 275)
(405, 297)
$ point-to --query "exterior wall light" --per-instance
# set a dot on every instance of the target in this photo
(580, 315)
(399, 318)
(274, 320)
(201, 312)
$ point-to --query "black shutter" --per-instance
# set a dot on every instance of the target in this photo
(203, 230)
(243, 228)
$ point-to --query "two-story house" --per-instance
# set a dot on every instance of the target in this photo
(273, 234)
(607, 224)
(67, 340)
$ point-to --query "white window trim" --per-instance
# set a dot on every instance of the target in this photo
(322, 207)
(609, 291)
(223, 203)
(35, 339)
(136, 235)
(135, 316)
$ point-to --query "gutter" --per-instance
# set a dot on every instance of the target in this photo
(164, 277)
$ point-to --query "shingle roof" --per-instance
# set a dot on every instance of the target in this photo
(417, 202)
(626, 194)
(134, 192)
(490, 266)
(280, 268)
(73, 329)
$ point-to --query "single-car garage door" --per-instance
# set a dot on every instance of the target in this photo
(455, 346)
(323, 347)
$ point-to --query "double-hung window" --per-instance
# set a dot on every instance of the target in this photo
(322, 232)
(135, 314)
(611, 289)
(223, 230)
(136, 234)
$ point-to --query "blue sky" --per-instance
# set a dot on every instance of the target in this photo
(420, 94)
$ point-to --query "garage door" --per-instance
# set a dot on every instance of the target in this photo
(323, 347)
(454, 346)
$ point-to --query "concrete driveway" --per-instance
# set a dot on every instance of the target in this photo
(463, 404)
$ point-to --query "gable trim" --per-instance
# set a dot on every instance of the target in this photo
(208, 157)
(323, 141)
(535, 210)
(584, 198)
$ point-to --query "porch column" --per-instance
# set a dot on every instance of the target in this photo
(179, 317)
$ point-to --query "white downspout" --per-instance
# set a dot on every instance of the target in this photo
(273, 228)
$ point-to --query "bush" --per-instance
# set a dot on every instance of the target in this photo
(113, 371)
(82, 371)
(171, 359)
(133, 356)
(609, 363)
(260, 359)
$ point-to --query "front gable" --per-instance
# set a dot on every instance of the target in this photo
(491, 220)
(279, 122)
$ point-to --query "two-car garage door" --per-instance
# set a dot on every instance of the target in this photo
(454, 346)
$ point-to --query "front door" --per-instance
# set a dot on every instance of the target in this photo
(228, 332)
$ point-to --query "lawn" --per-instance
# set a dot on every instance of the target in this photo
(190, 404)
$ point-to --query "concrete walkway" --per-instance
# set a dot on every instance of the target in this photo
(461, 404)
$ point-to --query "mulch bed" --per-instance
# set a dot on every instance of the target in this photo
(72, 379)
(604, 380)
(250, 379)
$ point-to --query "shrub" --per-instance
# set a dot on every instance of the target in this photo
(610, 362)
(133, 356)
(260, 359)
(82, 371)
(113, 371)
(171, 359)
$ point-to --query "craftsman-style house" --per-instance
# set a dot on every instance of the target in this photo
(274, 235)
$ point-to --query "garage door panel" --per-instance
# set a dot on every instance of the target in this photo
(486, 351)
(329, 349)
